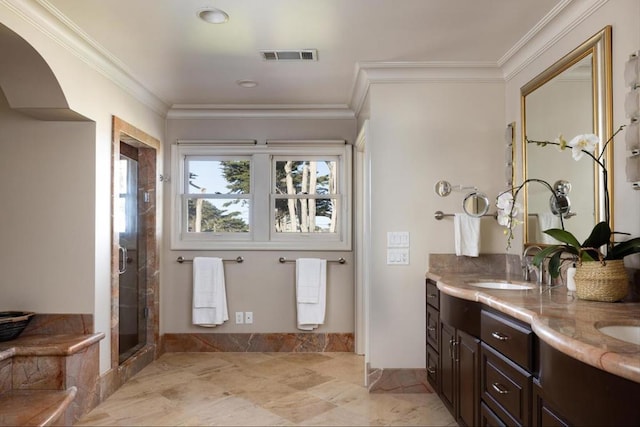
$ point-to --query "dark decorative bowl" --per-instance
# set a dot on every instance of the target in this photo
(12, 323)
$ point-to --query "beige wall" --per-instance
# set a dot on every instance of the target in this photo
(90, 93)
(47, 218)
(623, 16)
(261, 284)
(419, 134)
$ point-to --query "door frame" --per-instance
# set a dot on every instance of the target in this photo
(362, 244)
(148, 147)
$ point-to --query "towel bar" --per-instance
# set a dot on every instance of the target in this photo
(439, 215)
(339, 260)
(238, 260)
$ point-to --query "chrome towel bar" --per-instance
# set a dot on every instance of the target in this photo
(339, 260)
(182, 260)
(439, 215)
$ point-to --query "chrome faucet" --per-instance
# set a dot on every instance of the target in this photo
(527, 266)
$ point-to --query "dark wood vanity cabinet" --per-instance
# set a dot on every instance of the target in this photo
(494, 371)
(433, 335)
(459, 358)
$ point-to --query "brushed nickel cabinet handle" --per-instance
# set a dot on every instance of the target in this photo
(499, 336)
(432, 295)
(499, 388)
(431, 328)
(431, 371)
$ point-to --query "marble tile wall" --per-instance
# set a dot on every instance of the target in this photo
(260, 342)
(398, 381)
(59, 324)
(483, 264)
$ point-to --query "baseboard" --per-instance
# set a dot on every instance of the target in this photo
(398, 381)
(258, 342)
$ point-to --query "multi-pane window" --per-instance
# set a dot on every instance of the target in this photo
(280, 196)
(305, 195)
(217, 194)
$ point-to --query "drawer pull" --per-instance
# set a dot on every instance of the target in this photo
(499, 336)
(499, 388)
(431, 371)
(431, 328)
(432, 295)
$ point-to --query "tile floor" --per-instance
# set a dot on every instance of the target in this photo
(261, 389)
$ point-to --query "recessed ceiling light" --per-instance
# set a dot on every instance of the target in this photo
(213, 16)
(247, 83)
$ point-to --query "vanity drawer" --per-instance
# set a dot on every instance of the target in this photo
(433, 327)
(505, 387)
(433, 294)
(508, 337)
(433, 369)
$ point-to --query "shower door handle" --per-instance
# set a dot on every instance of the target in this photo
(123, 260)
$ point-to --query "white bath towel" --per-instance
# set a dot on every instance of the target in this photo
(547, 220)
(209, 292)
(466, 234)
(311, 292)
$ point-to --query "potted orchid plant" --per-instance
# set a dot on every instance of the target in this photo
(590, 250)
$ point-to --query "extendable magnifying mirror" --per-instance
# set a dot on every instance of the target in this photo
(475, 204)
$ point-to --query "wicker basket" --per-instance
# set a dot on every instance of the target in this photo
(601, 281)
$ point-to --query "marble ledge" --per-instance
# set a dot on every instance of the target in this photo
(34, 407)
(566, 323)
(48, 345)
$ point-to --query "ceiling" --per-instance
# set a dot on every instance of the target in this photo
(166, 48)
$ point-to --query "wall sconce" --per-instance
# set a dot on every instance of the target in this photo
(632, 103)
(632, 70)
(632, 136)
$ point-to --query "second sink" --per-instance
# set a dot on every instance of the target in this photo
(501, 285)
(627, 333)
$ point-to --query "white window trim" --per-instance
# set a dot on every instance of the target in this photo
(262, 235)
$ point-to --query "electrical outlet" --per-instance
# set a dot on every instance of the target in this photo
(239, 317)
(248, 317)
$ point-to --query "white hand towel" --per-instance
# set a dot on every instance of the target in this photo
(311, 292)
(466, 234)
(547, 220)
(209, 293)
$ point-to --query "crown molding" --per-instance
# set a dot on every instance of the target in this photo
(567, 15)
(270, 111)
(43, 16)
(368, 73)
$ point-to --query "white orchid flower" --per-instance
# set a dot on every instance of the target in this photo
(505, 200)
(581, 143)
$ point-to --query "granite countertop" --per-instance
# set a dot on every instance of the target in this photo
(561, 320)
(48, 345)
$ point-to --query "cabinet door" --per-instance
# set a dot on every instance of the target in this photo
(543, 413)
(467, 357)
(447, 366)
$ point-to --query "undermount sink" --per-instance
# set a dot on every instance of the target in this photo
(502, 286)
(627, 333)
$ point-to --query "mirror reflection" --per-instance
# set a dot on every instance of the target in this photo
(475, 204)
(570, 98)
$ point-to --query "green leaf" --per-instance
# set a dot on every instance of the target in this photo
(623, 249)
(554, 264)
(551, 251)
(600, 235)
(563, 236)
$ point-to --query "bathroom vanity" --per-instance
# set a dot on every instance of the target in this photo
(524, 357)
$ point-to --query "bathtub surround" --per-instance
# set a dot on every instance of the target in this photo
(56, 373)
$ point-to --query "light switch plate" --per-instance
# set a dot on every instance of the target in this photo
(398, 256)
(398, 239)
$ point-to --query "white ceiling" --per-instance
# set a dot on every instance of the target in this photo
(183, 60)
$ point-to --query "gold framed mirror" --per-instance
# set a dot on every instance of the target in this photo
(572, 97)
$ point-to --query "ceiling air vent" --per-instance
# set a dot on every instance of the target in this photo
(290, 55)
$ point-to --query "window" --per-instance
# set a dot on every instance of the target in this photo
(282, 195)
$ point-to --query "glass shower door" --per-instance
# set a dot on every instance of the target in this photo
(131, 325)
